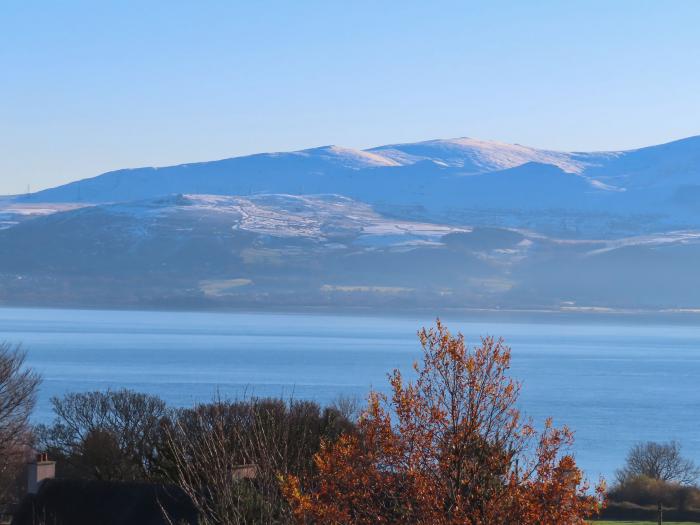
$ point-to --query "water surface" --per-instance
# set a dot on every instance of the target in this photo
(614, 384)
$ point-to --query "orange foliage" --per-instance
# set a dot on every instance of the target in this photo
(448, 448)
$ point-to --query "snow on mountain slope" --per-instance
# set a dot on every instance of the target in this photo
(333, 169)
(327, 250)
(347, 157)
(315, 217)
(664, 166)
(600, 193)
(670, 238)
(328, 169)
(13, 213)
(481, 156)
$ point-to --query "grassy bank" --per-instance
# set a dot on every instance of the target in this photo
(641, 523)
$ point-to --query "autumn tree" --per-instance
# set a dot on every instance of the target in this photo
(449, 447)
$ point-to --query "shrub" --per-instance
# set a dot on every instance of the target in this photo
(643, 490)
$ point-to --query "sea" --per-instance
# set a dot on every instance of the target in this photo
(615, 383)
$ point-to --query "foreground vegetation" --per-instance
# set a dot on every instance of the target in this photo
(447, 448)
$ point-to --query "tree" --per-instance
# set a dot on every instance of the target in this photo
(659, 461)
(18, 389)
(447, 448)
(658, 470)
(226, 456)
(110, 435)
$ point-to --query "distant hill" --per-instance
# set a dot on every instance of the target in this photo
(458, 223)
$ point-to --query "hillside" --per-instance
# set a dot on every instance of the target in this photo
(459, 223)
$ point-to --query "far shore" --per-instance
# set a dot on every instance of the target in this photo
(567, 315)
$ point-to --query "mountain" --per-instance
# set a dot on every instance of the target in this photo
(326, 251)
(298, 172)
(642, 191)
(481, 156)
(458, 223)
(660, 167)
(676, 162)
(317, 170)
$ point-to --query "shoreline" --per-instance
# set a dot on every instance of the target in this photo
(582, 315)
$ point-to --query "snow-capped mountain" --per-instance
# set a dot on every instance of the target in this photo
(458, 223)
(482, 156)
(297, 172)
(648, 189)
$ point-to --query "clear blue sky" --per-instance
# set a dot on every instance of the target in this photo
(91, 86)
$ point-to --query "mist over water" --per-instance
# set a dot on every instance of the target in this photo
(614, 384)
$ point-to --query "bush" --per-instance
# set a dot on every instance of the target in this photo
(643, 490)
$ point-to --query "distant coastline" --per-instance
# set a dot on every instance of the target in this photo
(510, 315)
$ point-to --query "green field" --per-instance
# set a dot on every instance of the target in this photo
(642, 523)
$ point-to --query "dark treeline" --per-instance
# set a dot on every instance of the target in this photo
(226, 455)
(123, 435)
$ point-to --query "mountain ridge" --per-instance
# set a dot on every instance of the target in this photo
(471, 156)
(460, 181)
(456, 223)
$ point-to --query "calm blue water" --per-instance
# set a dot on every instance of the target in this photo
(613, 384)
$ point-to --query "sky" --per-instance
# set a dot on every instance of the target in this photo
(87, 87)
